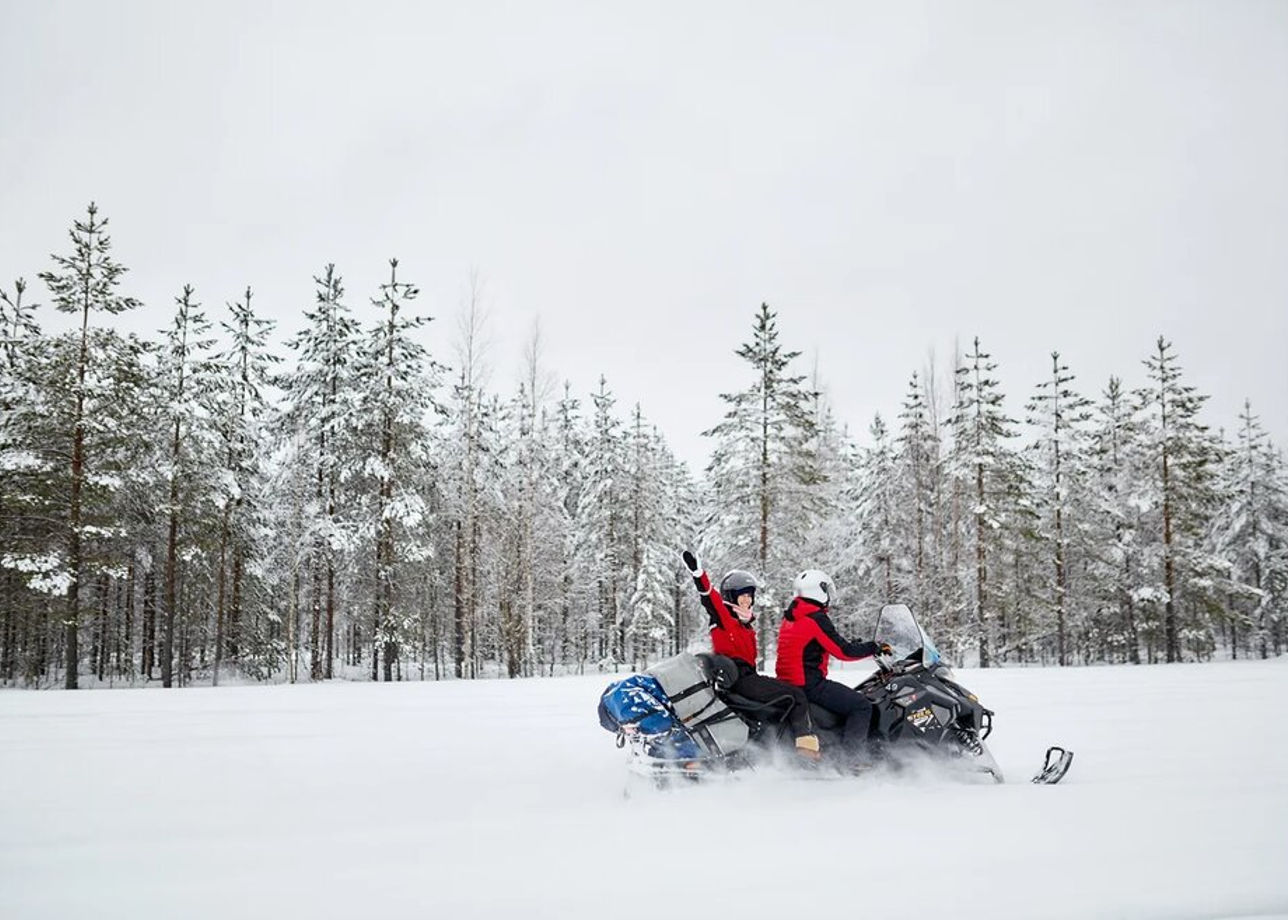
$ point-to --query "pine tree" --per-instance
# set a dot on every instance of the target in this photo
(569, 465)
(601, 531)
(395, 398)
(245, 374)
(1116, 563)
(1182, 460)
(918, 450)
(877, 526)
(984, 467)
(319, 403)
(1059, 414)
(187, 385)
(461, 481)
(1252, 532)
(84, 282)
(19, 338)
(759, 477)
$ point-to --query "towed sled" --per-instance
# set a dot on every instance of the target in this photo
(678, 721)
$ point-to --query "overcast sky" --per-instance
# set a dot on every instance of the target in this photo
(889, 177)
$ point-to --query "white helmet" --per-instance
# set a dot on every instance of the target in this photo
(814, 585)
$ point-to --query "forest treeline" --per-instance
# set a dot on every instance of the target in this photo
(206, 506)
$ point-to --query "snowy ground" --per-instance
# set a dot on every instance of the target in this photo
(504, 799)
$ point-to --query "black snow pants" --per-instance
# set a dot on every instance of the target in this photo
(761, 689)
(848, 703)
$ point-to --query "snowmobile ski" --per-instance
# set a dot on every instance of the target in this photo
(1054, 767)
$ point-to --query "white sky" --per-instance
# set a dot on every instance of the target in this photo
(889, 177)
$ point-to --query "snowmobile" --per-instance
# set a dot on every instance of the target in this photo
(920, 713)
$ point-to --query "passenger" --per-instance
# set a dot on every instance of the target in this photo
(734, 635)
(806, 640)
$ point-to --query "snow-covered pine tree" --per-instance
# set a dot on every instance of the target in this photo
(603, 563)
(535, 509)
(1252, 533)
(952, 591)
(319, 395)
(396, 383)
(681, 511)
(550, 534)
(460, 483)
(984, 467)
(758, 478)
(1116, 563)
(19, 340)
(18, 328)
(243, 378)
(879, 566)
(1182, 462)
(186, 383)
(570, 456)
(82, 283)
(825, 535)
(918, 452)
(1059, 462)
(654, 532)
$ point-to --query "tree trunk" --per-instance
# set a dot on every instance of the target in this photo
(219, 598)
(458, 603)
(981, 571)
(171, 567)
(74, 512)
(330, 615)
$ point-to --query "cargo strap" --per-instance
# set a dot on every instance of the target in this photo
(695, 719)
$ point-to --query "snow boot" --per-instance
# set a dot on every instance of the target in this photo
(807, 748)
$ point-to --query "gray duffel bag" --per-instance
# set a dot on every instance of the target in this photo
(717, 728)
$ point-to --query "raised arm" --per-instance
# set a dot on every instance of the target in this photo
(711, 600)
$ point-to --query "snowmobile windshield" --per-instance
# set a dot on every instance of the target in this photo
(897, 627)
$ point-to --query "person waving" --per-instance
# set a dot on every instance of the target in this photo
(733, 634)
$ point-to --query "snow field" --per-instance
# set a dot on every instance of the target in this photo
(505, 799)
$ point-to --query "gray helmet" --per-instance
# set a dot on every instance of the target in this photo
(735, 583)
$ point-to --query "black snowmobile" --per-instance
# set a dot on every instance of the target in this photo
(920, 712)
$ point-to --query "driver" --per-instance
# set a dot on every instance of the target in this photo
(806, 640)
(733, 635)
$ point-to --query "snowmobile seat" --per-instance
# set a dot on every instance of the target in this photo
(774, 710)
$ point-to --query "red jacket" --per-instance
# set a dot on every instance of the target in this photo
(806, 639)
(729, 635)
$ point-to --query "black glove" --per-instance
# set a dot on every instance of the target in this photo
(883, 648)
(690, 562)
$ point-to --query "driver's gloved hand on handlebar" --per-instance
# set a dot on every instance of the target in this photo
(883, 648)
